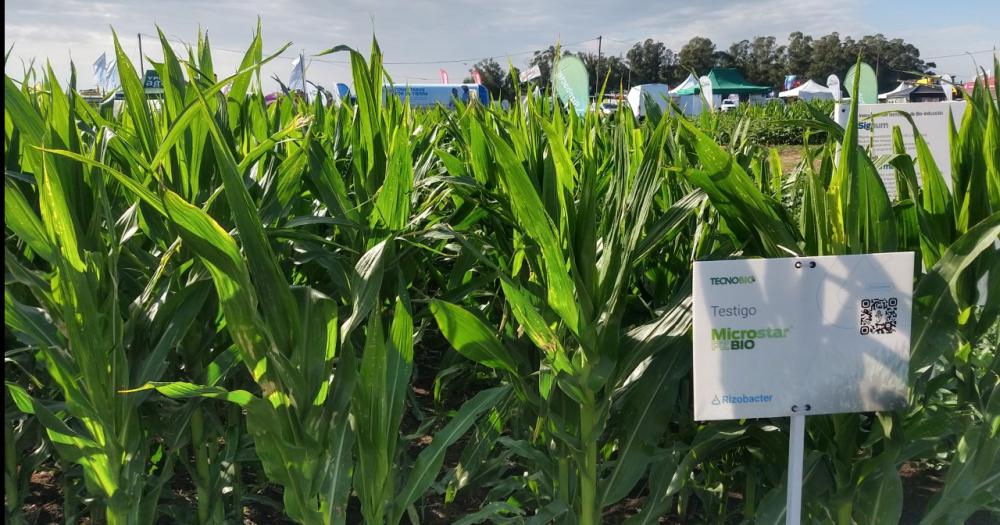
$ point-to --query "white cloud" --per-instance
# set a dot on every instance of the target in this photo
(424, 30)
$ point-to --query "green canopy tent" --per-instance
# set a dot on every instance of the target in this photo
(729, 81)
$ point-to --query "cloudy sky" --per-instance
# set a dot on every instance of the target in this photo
(419, 37)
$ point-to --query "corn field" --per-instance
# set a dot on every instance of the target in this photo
(366, 313)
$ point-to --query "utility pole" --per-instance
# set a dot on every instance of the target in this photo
(597, 69)
(142, 68)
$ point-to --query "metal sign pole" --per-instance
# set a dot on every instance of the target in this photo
(796, 442)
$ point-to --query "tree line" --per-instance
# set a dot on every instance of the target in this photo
(762, 61)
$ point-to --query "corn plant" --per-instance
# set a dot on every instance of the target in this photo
(153, 247)
(74, 300)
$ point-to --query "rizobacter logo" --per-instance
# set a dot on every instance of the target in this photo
(739, 339)
(736, 279)
(742, 399)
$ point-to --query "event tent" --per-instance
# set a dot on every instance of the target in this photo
(991, 83)
(690, 86)
(900, 87)
(729, 81)
(918, 94)
(808, 91)
(687, 96)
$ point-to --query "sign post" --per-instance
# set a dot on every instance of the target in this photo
(796, 450)
(795, 336)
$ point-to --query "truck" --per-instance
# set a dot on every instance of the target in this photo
(430, 95)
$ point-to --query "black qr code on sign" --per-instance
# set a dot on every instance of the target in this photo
(878, 315)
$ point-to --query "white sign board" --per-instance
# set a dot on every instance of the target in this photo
(810, 335)
(931, 119)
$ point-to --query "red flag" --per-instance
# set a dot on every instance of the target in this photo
(444, 76)
(476, 76)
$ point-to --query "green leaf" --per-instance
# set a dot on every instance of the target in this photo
(392, 205)
(378, 407)
(734, 194)
(219, 253)
(880, 496)
(22, 220)
(429, 462)
(531, 217)
(365, 285)
(182, 390)
(534, 324)
(935, 307)
(136, 103)
(470, 337)
(647, 412)
(280, 310)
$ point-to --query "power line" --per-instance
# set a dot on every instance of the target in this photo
(967, 53)
(394, 63)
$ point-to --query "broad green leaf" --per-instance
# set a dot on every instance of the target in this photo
(531, 217)
(181, 390)
(429, 462)
(470, 336)
(935, 309)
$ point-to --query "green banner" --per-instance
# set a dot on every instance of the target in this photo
(868, 89)
(571, 82)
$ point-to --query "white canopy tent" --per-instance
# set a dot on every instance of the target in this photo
(808, 91)
(687, 95)
(688, 87)
(902, 86)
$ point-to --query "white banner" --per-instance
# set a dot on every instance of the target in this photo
(296, 79)
(931, 119)
(101, 70)
(810, 335)
(111, 81)
(706, 91)
(530, 73)
(833, 83)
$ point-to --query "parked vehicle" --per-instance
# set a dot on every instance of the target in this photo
(609, 107)
(430, 95)
(729, 104)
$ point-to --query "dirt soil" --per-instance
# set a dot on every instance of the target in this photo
(44, 505)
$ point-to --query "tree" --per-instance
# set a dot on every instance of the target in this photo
(892, 59)
(610, 67)
(737, 56)
(509, 90)
(698, 55)
(543, 59)
(798, 54)
(651, 62)
(492, 74)
(829, 57)
(765, 62)
(761, 60)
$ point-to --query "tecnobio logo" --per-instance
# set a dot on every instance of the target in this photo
(735, 279)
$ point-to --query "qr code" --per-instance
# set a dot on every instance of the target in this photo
(878, 315)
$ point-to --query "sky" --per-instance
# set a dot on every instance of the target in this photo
(419, 37)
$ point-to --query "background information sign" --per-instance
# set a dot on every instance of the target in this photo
(931, 119)
(810, 335)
